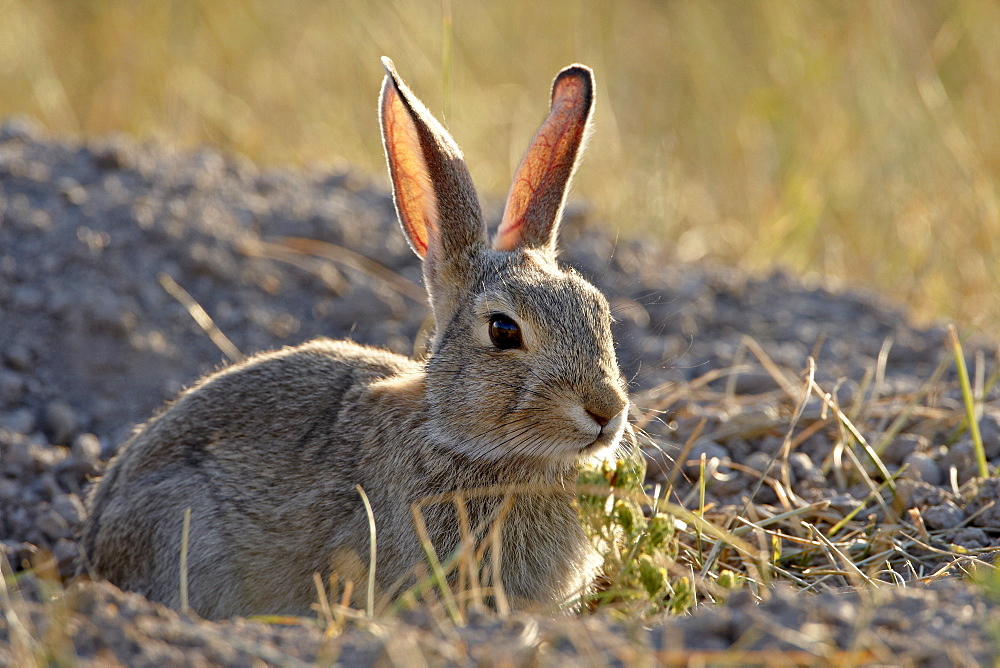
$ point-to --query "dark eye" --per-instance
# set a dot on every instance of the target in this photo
(504, 332)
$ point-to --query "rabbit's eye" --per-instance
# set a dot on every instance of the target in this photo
(504, 332)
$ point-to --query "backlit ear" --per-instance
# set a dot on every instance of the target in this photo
(433, 192)
(535, 203)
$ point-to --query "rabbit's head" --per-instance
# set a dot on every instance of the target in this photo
(522, 362)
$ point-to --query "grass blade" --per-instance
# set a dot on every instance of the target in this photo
(969, 401)
(372, 550)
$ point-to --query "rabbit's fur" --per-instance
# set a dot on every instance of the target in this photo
(267, 453)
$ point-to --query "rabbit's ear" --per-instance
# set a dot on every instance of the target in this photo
(535, 202)
(431, 186)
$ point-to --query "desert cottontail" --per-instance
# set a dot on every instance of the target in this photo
(520, 385)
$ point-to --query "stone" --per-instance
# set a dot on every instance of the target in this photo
(922, 467)
(761, 461)
(707, 447)
(53, 525)
(21, 420)
(844, 503)
(989, 429)
(86, 452)
(19, 128)
(11, 387)
(944, 516)
(19, 358)
(959, 456)
(70, 507)
(912, 493)
(804, 470)
(984, 503)
(61, 422)
(901, 447)
(971, 538)
(66, 552)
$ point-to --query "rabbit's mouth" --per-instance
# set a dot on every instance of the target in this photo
(609, 435)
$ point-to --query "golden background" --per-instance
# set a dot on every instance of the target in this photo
(855, 144)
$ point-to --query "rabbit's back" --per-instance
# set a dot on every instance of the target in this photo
(262, 453)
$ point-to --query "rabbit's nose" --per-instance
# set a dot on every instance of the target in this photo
(603, 410)
(599, 419)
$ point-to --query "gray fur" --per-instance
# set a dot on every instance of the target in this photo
(267, 453)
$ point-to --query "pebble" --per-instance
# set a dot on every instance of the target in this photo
(9, 490)
(901, 447)
(72, 191)
(805, 471)
(43, 454)
(11, 387)
(61, 422)
(70, 507)
(989, 429)
(21, 420)
(984, 503)
(770, 444)
(961, 456)
(19, 128)
(923, 467)
(113, 153)
(707, 447)
(19, 521)
(944, 516)
(844, 503)
(32, 221)
(53, 525)
(725, 481)
(86, 451)
(66, 551)
(28, 297)
(760, 461)
(19, 358)
(738, 448)
(45, 485)
(754, 382)
(971, 538)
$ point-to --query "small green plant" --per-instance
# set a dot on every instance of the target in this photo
(639, 540)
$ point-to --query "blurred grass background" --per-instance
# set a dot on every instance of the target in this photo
(856, 144)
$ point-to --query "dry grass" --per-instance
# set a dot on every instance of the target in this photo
(852, 142)
(810, 544)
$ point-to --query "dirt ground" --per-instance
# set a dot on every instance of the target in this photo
(93, 237)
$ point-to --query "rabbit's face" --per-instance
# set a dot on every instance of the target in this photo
(523, 366)
(526, 368)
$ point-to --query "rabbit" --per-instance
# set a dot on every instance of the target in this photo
(520, 385)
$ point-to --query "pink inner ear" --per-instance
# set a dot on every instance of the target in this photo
(416, 202)
(536, 195)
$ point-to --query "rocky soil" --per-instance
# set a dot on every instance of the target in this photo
(93, 339)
